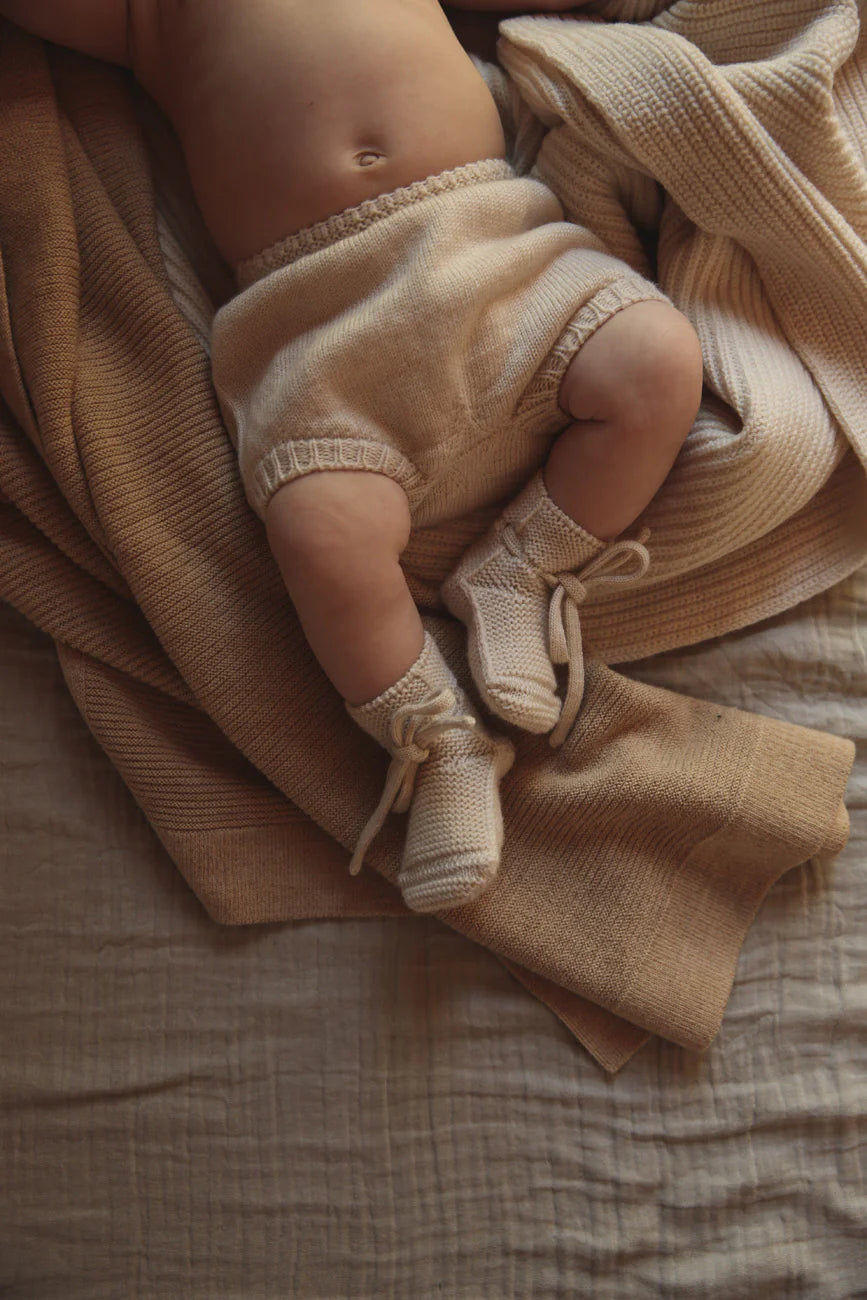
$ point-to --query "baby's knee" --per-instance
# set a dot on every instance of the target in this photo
(331, 524)
(641, 370)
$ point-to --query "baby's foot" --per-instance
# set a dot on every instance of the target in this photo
(446, 769)
(518, 591)
(455, 829)
(502, 590)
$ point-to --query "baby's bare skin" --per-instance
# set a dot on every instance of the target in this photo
(291, 110)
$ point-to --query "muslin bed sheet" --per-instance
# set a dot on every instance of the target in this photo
(365, 1107)
(638, 853)
(374, 1109)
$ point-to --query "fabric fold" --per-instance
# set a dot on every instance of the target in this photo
(636, 855)
(760, 243)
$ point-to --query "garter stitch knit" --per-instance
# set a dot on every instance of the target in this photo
(638, 853)
(519, 590)
(446, 770)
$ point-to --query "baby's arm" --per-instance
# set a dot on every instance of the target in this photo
(100, 27)
(97, 27)
(517, 6)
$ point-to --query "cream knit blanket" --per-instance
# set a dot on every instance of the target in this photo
(738, 130)
(637, 855)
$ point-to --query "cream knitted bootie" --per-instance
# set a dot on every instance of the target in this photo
(518, 590)
(446, 770)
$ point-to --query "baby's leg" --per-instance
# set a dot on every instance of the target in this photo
(337, 537)
(633, 391)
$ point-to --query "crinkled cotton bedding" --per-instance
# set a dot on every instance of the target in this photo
(375, 1108)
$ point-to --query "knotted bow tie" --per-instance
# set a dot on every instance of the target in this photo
(413, 730)
(619, 562)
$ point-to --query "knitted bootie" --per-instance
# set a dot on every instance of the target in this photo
(446, 770)
(518, 590)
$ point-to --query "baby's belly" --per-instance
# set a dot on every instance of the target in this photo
(292, 110)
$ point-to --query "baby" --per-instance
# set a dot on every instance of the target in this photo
(418, 333)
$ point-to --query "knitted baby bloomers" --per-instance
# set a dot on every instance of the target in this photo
(423, 334)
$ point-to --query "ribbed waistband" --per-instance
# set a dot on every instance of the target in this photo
(353, 220)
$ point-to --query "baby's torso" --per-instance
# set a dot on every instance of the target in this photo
(290, 111)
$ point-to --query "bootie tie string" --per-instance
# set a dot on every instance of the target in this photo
(621, 561)
(413, 730)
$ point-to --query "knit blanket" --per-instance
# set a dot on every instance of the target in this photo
(720, 148)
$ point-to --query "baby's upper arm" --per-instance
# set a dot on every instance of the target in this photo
(517, 6)
(97, 27)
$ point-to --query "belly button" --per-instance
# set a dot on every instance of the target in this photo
(368, 157)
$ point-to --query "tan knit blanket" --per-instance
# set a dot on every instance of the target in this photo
(720, 147)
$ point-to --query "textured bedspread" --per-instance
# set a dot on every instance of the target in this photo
(638, 854)
(358, 1109)
(354, 1108)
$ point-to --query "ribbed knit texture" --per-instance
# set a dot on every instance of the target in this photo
(354, 221)
(637, 854)
(423, 335)
(731, 108)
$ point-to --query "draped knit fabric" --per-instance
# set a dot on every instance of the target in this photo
(719, 148)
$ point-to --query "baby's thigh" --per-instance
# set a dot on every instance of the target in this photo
(334, 520)
(642, 364)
